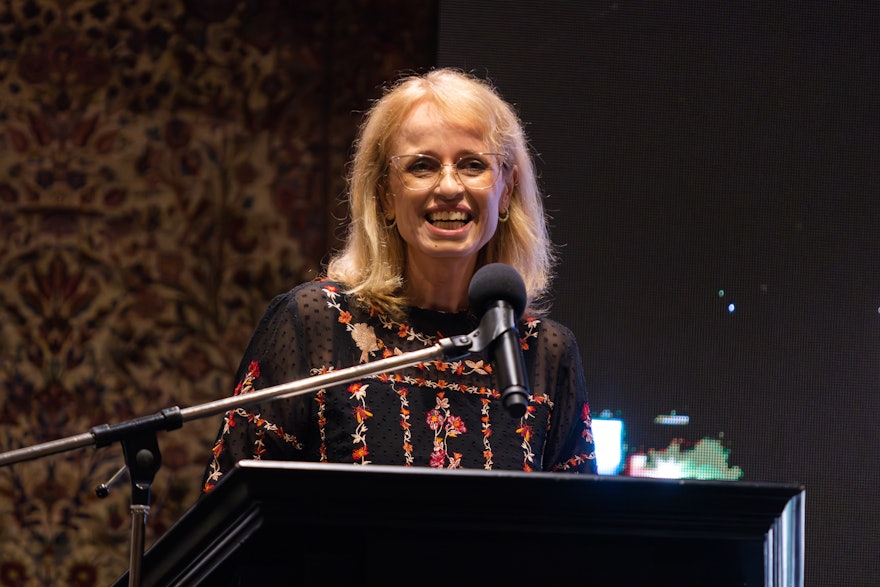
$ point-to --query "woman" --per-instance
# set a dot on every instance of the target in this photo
(442, 183)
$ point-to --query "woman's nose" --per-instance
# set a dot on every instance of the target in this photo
(449, 182)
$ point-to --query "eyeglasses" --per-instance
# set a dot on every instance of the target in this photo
(477, 171)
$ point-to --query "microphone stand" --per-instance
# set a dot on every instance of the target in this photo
(140, 445)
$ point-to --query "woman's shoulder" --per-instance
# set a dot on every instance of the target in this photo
(315, 292)
(318, 296)
(548, 327)
(548, 333)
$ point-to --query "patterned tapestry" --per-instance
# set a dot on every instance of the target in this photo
(166, 167)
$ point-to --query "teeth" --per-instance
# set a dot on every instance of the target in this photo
(448, 216)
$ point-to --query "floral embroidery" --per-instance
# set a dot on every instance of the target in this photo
(444, 378)
(321, 399)
(445, 425)
(574, 463)
(531, 331)
(358, 392)
(526, 429)
(364, 335)
(405, 425)
(246, 385)
(365, 338)
(587, 433)
(261, 428)
(404, 331)
(486, 429)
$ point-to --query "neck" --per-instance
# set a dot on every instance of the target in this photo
(441, 286)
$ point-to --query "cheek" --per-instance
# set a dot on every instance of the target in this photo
(492, 203)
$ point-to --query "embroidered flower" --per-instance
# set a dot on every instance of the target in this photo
(365, 338)
(455, 426)
(361, 413)
(435, 419)
(358, 390)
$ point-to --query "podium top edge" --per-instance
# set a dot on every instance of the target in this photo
(619, 480)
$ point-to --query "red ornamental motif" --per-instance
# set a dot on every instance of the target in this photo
(361, 413)
(435, 419)
(438, 458)
(585, 412)
(456, 424)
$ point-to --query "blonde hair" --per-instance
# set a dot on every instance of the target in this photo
(371, 262)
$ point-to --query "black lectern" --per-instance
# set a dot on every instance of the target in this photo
(284, 523)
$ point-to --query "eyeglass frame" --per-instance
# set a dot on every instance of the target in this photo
(395, 158)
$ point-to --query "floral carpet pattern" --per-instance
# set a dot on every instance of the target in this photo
(166, 167)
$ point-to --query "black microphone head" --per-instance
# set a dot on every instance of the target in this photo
(494, 282)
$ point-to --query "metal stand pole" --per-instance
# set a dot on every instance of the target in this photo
(143, 459)
(139, 515)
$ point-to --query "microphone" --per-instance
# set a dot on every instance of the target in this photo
(497, 292)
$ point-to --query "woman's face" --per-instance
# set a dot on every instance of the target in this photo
(448, 223)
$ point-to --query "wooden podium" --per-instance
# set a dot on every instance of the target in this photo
(287, 523)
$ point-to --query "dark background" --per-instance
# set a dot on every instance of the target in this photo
(696, 146)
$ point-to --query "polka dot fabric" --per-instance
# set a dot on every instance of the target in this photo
(444, 414)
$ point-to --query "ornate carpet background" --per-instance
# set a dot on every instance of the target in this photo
(165, 169)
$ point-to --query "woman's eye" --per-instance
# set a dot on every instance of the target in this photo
(422, 165)
(472, 166)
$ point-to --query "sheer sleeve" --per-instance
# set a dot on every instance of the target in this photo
(292, 336)
(569, 445)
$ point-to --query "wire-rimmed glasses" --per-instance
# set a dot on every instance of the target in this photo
(477, 171)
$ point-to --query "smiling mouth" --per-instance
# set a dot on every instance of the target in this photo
(448, 219)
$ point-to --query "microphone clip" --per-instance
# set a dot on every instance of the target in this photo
(497, 320)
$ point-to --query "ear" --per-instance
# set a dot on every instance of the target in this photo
(386, 202)
(509, 186)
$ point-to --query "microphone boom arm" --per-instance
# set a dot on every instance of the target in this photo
(139, 441)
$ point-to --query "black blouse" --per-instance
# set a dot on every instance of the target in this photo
(437, 414)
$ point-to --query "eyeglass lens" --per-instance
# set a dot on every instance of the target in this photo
(476, 171)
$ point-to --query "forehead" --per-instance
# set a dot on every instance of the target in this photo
(426, 125)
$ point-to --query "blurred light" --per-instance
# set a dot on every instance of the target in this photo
(731, 308)
(672, 419)
(720, 293)
(608, 438)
